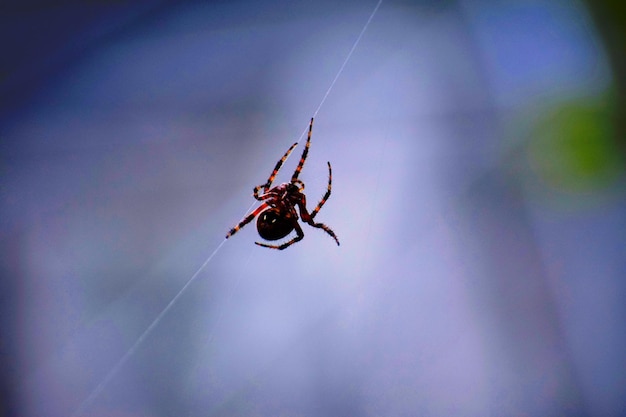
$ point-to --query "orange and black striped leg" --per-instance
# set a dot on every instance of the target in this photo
(326, 229)
(247, 220)
(270, 180)
(305, 152)
(323, 200)
(256, 190)
(299, 236)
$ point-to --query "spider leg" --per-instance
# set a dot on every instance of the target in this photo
(247, 220)
(325, 228)
(305, 152)
(308, 218)
(268, 184)
(323, 200)
(297, 238)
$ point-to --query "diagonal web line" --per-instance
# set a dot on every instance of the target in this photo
(345, 62)
(94, 394)
(111, 374)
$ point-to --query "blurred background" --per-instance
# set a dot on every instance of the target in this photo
(478, 194)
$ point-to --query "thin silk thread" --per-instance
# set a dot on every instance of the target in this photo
(94, 394)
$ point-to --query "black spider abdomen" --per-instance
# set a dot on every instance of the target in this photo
(273, 225)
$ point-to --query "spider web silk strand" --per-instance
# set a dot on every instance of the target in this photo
(345, 62)
(100, 387)
(94, 394)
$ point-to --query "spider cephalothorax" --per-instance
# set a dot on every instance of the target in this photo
(277, 216)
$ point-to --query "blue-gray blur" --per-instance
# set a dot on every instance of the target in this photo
(477, 196)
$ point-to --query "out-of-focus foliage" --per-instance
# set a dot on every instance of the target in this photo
(572, 147)
(610, 17)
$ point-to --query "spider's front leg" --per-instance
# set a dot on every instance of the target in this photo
(327, 195)
(256, 194)
(270, 180)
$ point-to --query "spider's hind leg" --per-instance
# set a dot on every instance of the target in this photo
(297, 238)
(326, 229)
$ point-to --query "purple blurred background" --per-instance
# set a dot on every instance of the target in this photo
(477, 194)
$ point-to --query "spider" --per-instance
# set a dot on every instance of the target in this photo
(277, 216)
